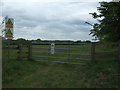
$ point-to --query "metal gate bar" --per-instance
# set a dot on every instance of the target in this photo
(68, 51)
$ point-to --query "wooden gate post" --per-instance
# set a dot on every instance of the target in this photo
(93, 51)
(119, 51)
(30, 51)
(20, 52)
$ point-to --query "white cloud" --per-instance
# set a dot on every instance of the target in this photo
(65, 20)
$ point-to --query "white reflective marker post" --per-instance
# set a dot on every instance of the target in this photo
(52, 49)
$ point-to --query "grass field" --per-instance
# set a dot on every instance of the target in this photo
(31, 74)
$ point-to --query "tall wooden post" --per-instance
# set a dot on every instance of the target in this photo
(119, 51)
(8, 49)
(93, 51)
(30, 51)
(20, 52)
(69, 52)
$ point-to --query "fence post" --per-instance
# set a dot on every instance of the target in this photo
(30, 51)
(20, 52)
(69, 52)
(93, 51)
(119, 51)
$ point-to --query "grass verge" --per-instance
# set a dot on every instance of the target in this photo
(30, 74)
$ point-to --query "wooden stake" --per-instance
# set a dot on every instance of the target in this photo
(119, 51)
(20, 52)
(93, 51)
(30, 52)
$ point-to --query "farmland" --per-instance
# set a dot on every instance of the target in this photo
(31, 74)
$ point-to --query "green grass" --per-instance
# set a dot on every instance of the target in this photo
(26, 74)
(31, 74)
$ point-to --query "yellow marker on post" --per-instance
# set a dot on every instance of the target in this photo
(9, 28)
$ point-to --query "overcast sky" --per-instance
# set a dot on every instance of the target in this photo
(50, 20)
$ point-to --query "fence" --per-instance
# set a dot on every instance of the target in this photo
(107, 51)
(72, 53)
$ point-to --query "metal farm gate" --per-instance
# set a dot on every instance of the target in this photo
(71, 53)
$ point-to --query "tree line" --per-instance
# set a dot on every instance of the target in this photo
(24, 41)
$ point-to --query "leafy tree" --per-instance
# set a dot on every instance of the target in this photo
(38, 40)
(108, 26)
(87, 41)
(78, 41)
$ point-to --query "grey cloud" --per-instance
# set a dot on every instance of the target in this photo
(24, 19)
(57, 24)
